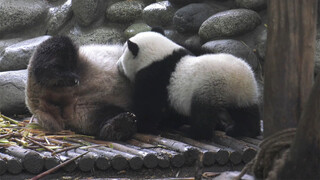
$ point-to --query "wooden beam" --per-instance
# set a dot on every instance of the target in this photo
(289, 62)
(304, 158)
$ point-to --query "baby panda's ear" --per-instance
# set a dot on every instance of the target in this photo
(133, 47)
(158, 30)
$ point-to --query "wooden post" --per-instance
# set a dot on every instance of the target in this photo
(289, 62)
(304, 158)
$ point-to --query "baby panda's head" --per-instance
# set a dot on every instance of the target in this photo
(142, 50)
(54, 63)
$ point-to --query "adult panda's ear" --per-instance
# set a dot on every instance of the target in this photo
(158, 30)
(133, 47)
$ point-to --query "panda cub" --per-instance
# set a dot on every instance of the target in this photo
(168, 79)
(79, 88)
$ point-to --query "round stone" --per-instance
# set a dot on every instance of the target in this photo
(158, 14)
(18, 14)
(190, 17)
(135, 29)
(229, 23)
(124, 11)
(85, 11)
(234, 47)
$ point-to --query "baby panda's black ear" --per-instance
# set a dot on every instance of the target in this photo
(133, 47)
(158, 30)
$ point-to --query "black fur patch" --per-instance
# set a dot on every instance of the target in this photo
(55, 62)
(133, 47)
(150, 95)
(246, 121)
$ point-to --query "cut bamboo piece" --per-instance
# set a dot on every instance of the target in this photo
(31, 160)
(190, 152)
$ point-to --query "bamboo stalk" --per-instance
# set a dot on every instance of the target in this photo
(39, 144)
(49, 160)
(85, 163)
(14, 165)
(135, 162)
(3, 166)
(118, 162)
(31, 160)
(190, 152)
(9, 119)
(176, 159)
(66, 149)
(56, 168)
(210, 153)
(70, 167)
(149, 160)
(248, 153)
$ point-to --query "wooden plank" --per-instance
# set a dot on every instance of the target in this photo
(289, 62)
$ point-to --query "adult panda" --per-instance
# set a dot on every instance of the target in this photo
(168, 79)
(79, 88)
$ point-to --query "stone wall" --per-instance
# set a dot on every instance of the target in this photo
(232, 26)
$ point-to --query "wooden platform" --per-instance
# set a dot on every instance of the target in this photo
(169, 154)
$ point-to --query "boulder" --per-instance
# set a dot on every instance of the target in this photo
(100, 35)
(135, 29)
(158, 14)
(19, 14)
(85, 11)
(234, 47)
(190, 17)
(16, 56)
(229, 23)
(124, 11)
(12, 92)
(58, 16)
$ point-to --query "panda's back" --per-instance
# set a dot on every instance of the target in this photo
(216, 79)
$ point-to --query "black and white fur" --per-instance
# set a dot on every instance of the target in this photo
(79, 88)
(168, 80)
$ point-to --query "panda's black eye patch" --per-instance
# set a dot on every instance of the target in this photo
(133, 47)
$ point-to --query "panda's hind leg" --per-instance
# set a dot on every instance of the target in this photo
(246, 121)
(203, 119)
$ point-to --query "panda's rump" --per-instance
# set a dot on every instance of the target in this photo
(217, 80)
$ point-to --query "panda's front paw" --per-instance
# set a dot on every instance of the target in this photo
(121, 127)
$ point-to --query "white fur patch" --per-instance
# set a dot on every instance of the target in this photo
(152, 47)
(218, 79)
(100, 54)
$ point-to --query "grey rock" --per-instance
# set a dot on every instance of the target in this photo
(58, 16)
(147, 2)
(135, 29)
(229, 23)
(175, 36)
(100, 35)
(190, 17)
(16, 56)
(8, 42)
(12, 92)
(184, 2)
(125, 11)
(234, 47)
(251, 4)
(85, 11)
(19, 14)
(158, 14)
(194, 44)
(261, 42)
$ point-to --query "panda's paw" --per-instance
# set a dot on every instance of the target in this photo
(235, 131)
(121, 127)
